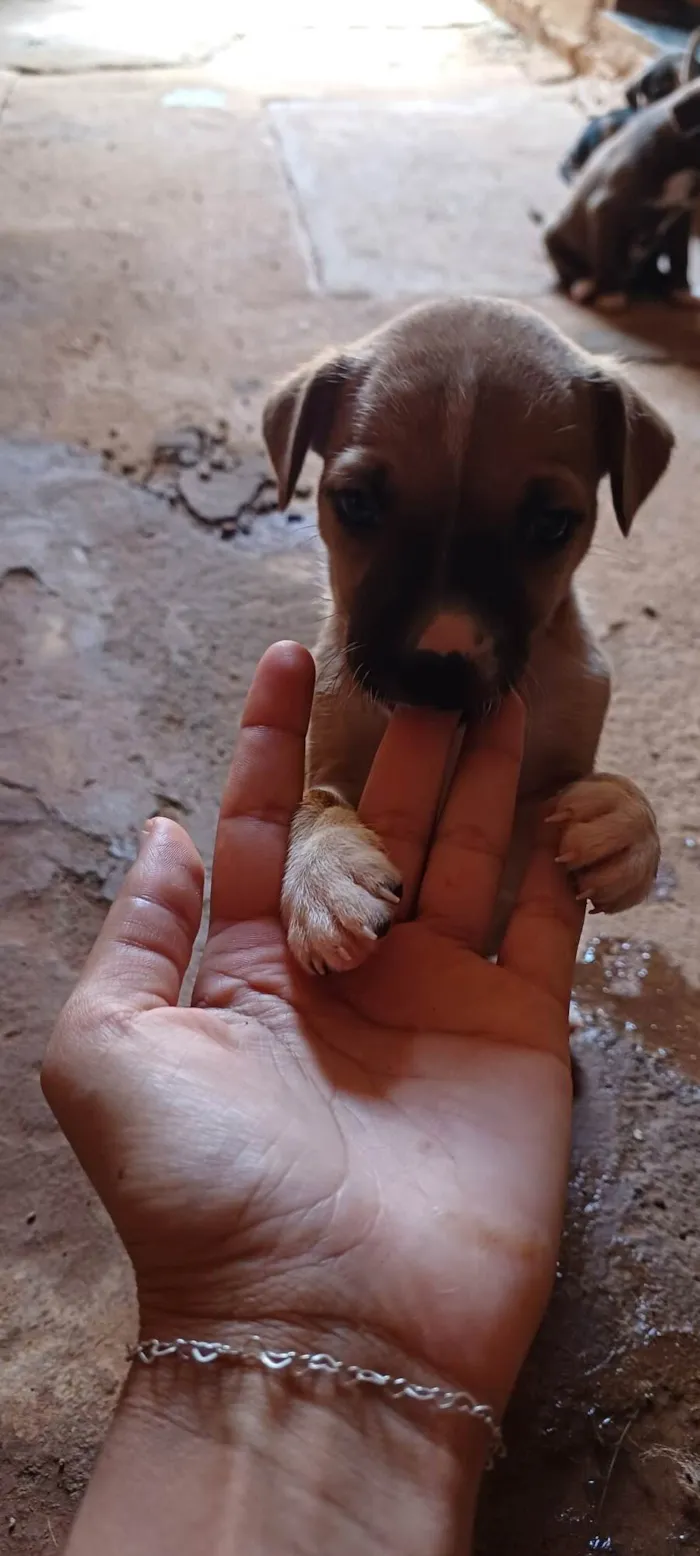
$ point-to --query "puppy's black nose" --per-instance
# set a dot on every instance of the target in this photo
(450, 682)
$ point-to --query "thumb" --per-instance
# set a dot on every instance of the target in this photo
(142, 953)
(137, 964)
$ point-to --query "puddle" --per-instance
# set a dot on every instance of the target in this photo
(616, 1476)
(649, 997)
(604, 1431)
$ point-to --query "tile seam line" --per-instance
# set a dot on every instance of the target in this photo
(311, 257)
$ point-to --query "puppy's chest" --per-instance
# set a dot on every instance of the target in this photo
(566, 697)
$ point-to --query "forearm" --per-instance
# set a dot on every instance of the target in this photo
(227, 1461)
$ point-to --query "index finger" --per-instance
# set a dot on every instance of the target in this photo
(263, 789)
(460, 886)
(402, 793)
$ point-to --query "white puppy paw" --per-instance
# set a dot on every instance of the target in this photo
(339, 895)
(608, 842)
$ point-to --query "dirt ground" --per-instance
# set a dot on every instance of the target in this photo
(171, 239)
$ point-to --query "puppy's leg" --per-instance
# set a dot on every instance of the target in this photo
(609, 246)
(565, 261)
(608, 840)
(340, 888)
(677, 246)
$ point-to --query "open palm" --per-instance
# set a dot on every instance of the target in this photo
(374, 1160)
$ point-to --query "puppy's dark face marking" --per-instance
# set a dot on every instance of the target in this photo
(455, 507)
(441, 605)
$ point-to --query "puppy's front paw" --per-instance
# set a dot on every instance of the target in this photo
(339, 895)
(609, 841)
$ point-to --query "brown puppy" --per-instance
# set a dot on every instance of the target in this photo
(463, 445)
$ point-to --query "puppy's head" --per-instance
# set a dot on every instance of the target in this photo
(462, 450)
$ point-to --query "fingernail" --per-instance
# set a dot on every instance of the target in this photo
(148, 828)
(367, 932)
(564, 858)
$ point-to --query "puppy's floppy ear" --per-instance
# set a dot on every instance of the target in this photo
(299, 416)
(635, 444)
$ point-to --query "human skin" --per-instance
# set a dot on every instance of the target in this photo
(372, 1164)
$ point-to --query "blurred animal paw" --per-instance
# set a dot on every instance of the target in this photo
(582, 291)
(612, 302)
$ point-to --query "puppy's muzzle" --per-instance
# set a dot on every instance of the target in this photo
(449, 664)
(447, 682)
(452, 665)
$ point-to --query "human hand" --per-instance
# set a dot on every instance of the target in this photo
(374, 1162)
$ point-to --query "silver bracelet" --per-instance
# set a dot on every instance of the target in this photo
(299, 1364)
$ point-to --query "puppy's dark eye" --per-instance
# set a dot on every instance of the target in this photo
(550, 529)
(357, 510)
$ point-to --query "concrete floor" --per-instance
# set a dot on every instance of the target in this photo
(170, 241)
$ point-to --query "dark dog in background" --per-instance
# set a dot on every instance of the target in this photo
(627, 224)
(598, 129)
(665, 75)
(650, 85)
(462, 446)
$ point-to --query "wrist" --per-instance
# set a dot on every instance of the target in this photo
(352, 1470)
